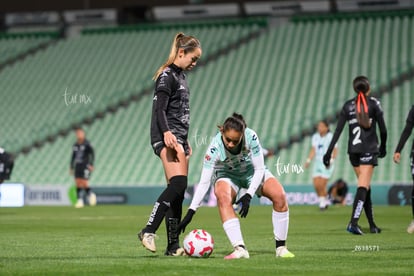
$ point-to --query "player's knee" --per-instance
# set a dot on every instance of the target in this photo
(179, 184)
(280, 202)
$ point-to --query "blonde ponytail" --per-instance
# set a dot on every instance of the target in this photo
(188, 43)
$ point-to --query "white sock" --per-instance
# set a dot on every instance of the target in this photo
(233, 231)
(322, 202)
(280, 222)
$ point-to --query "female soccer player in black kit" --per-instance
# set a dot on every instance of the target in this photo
(81, 164)
(409, 125)
(169, 133)
(363, 113)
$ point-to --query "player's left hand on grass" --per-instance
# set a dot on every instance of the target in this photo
(245, 205)
(327, 159)
(382, 151)
(186, 220)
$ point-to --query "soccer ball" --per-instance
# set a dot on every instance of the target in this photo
(198, 243)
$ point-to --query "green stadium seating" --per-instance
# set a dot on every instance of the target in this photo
(282, 82)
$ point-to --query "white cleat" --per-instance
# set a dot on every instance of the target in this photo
(238, 253)
(92, 199)
(283, 252)
(410, 228)
(79, 203)
(148, 241)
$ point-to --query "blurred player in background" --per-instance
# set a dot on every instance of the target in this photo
(397, 157)
(321, 174)
(234, 164)
(169, 139)
(81, 166)
(6, 165)
(337, 192)
(362, 113)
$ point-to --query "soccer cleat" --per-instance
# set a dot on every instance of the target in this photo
(323, 208)
(410, 228)
(178, 251)
(238, 253)
(354, 229)
(148, 241)
(375, 230)
(79, 203)
(283, 252)
(92, 199)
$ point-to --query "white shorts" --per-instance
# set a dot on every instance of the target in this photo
(242, 191)
(319, 170)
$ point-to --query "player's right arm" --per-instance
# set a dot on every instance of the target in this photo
(409, 125)
(163, 89)
(312, 152)
(205, 179)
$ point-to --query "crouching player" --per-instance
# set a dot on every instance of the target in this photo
(234, 164)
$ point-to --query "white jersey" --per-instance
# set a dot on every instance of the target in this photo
(246, 168)
(321, 144)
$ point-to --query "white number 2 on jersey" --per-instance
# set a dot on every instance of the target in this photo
(357, 135)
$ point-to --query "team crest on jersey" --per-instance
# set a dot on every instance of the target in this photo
(207, 157)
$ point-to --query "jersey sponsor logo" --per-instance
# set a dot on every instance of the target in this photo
(256, 150)
(182, 87)
(254, 138)
(155, 98)
(353, 121)
(213, 150)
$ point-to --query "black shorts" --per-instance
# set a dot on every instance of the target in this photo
(158, 146)
(363, 159)
(82, 172)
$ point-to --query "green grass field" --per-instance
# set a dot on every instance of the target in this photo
(102, 241)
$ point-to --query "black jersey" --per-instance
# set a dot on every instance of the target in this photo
(361, 140)
(409, 125)
(82, 155)
(6, 165)
(171, 105)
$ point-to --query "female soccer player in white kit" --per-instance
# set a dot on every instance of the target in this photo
(234, 164)
(321, 174)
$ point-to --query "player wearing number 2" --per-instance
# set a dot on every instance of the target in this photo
(234, 164)
(363, 113)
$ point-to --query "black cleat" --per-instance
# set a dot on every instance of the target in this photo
(375, 230)
(354, 229)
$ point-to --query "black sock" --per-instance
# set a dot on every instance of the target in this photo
(368, 209)
(87, 191)
(280, 243)
(358, 204)
(175, 189)
(172, 219)
(79, 193)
